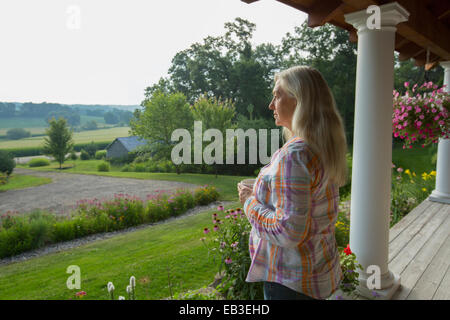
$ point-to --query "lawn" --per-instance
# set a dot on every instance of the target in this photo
(417, 159)
(17, 181)
(100, 135)
(170, 250)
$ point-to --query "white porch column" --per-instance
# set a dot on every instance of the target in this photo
(372, 145)
(442, 191)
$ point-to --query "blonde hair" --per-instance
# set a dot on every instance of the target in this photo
(316, 119)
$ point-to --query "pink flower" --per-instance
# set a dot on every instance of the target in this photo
(400, 169)
(206, 231)
(228, 260)
(220, 208)
(406, 84)
(216, 227)
(419, 123)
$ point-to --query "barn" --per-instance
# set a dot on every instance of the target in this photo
(121, 146)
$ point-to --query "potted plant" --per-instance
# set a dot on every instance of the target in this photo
(421, 115)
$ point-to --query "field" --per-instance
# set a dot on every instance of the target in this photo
(38, 125)
(100, 135)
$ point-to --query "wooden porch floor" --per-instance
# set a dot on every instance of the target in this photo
(419, 251)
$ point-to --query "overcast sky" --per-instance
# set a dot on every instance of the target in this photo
(109, 51)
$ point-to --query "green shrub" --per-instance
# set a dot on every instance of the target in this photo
(3, 178)
(39, 162)
(228, 243)
(342, 230)
(100, 154)
(91, 149)
(16, 239)
(205, 195)
(73, 156)
(63, 231)
(7, 163)
(104, 167)
(84, 155)
(139, 167)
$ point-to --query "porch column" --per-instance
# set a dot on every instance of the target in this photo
(372, 145)
(442, 191)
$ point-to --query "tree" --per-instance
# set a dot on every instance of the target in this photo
(162, 114)
(17, 133)
(227, 67)
(59, 141)
(110, 118)
(90, 125)
(7, 163)
(214, 114)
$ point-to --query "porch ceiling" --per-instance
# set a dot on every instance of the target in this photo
(428, 26)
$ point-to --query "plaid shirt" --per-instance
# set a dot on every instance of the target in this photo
(293, 214)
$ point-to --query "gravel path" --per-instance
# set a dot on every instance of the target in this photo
(67, 188)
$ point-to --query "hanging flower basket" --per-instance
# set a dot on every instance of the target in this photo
(421, 115)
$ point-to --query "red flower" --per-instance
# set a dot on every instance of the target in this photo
(347, 250)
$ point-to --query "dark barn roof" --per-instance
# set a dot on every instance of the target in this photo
(130, 143)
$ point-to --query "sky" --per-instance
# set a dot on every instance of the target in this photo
(109, 51)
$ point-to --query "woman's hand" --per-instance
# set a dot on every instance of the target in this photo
(244, 192)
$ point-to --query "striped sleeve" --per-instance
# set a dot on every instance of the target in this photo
(287, 223)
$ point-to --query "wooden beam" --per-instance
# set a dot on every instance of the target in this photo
(421, 58)
(424, 28)
(322, 12)
(400, 41)
(249, 1)
(439, 9)
(294, 5)
(409, 50)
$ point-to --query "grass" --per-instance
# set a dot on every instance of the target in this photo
(152, 255)
(226, 185)
(100, 135)
(17, 181)
(417, 159)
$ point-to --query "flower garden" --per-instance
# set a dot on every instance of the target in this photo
(20, 233)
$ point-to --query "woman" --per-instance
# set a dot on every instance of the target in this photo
(294, 202)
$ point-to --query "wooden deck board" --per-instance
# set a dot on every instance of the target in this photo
(408, 219)
(416, 268)
(432, 277)
(443, 292)
(419, 252)
(420, 237)
(411, 230)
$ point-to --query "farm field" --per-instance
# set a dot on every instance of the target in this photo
(38, 125)
(100, 135)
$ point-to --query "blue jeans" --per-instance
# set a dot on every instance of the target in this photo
(276, 291)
